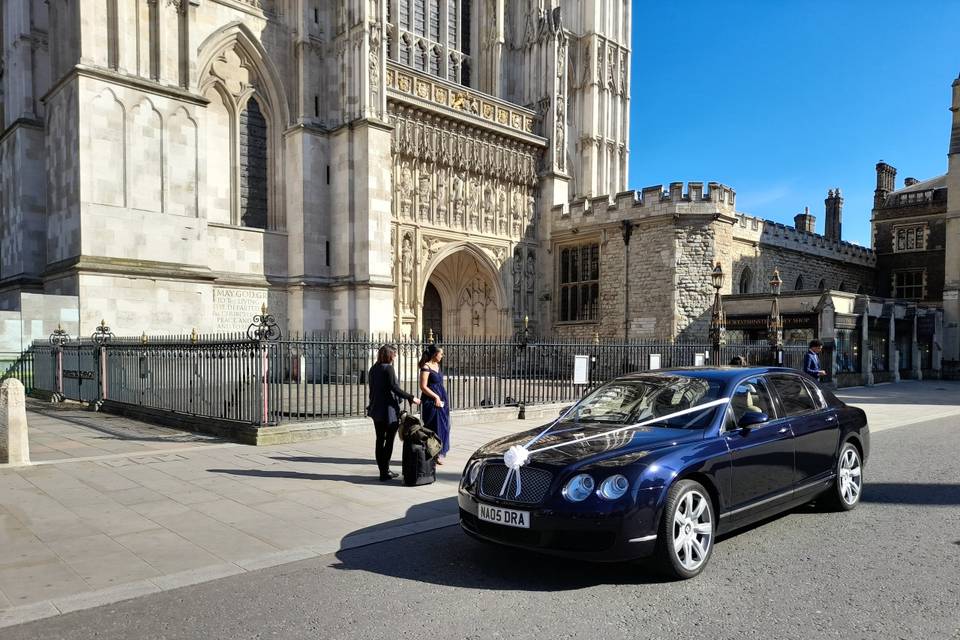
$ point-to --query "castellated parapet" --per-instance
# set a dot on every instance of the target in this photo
(776, 234)
(649, 202)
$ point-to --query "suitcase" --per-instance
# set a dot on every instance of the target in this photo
(418, 467)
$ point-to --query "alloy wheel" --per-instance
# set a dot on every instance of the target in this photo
(851, 476)
(692, 530)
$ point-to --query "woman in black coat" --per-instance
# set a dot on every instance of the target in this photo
(384, 407)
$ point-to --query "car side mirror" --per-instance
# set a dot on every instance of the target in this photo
(752, 418)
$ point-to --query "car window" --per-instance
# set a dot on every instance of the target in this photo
(817, 395)
(795, 398)
(751, 396)
(646, 399)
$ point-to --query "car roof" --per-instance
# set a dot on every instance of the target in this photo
(720, 374)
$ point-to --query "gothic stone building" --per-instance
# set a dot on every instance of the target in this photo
(356, 164)
(373, 165)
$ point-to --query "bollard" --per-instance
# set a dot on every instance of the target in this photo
(14, 445)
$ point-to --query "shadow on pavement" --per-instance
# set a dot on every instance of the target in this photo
(299, 475)
(323, 459)
(930, 494)
(908, 392)
(449, 557)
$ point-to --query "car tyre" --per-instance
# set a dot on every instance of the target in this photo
(847, 488)
(687, 531)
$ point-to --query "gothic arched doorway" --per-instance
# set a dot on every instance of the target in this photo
(464, 289)
(432, 313)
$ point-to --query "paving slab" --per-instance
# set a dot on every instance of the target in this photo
(148, 508)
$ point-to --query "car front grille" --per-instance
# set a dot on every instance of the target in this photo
(534, 484)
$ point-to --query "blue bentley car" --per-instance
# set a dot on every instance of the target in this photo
(766, 440)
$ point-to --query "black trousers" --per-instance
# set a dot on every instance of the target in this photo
(386, 433)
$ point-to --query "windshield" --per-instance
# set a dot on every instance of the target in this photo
(625, 402)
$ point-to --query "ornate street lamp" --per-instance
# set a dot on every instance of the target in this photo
(775, 321)
(718, 320)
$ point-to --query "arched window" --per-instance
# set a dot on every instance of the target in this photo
(253, 166)
(860, 289)
(423, 26)
(821, 285)
(243, 119)
(799, 285)
(746, 278)
(842, 286)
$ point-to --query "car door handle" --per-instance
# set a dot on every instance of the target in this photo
(831, 418)
(784, 430)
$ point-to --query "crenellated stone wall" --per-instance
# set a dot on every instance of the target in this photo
(679, 235)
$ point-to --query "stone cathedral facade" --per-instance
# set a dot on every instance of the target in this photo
(372, 165)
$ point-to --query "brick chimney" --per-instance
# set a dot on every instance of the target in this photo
(834, 214)
(805, 222)
(909, 182)
(886, 175)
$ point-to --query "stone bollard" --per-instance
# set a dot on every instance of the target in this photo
(14, 445)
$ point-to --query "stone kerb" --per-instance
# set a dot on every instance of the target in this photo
(14, 445)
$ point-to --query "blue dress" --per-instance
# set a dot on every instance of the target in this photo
(437, 420)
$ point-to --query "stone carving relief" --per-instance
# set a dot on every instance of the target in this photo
(517, 282)
(425, 193)
(407, 271)
(530, 276)
(374, 64)
(230, 69)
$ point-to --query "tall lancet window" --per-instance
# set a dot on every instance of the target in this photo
(432, 36)
(253, 166)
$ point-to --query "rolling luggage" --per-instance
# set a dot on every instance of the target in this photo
(418, 466)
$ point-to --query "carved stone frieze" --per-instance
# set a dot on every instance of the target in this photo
(435, 91)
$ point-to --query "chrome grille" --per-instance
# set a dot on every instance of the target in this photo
(534, 484)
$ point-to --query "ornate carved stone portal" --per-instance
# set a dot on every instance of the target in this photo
(454, 183)
(470, 294)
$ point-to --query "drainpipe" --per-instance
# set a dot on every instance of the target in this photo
(626, 227)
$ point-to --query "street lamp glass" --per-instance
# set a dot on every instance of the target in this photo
(717, 276)
(776, 282)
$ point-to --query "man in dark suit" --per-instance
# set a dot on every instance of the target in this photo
(384, 407)
(811, 362)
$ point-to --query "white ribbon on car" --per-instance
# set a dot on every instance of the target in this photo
(518, 455)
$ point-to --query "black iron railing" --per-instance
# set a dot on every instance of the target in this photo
(264, 379)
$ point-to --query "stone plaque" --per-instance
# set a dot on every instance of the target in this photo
(234, 309)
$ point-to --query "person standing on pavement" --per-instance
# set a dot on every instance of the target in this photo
(811, 362)
(433, 398)
(384, 407)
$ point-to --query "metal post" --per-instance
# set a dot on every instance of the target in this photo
(718, 321)
(264, 330)
(101, 337)
(775, 321)
(57, 340)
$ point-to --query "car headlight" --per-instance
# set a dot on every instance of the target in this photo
(614, 487)
(579, 488)
(473, 473)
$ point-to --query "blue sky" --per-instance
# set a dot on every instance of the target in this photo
(784, 99)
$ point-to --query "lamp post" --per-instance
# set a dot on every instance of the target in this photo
(718, 320)
(775, 321)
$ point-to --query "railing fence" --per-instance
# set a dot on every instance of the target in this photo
(233, 378)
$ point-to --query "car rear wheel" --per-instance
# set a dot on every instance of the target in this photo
(685, 539)
(844, 495)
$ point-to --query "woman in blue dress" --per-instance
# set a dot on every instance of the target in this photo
(433, 398)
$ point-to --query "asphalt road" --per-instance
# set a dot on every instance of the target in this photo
(889, 569)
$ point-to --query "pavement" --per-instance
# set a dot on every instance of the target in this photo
(114, 509)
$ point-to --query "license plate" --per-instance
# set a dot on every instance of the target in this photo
(508, 517)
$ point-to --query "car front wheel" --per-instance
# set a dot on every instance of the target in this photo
(846, 490)
(686, 534)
